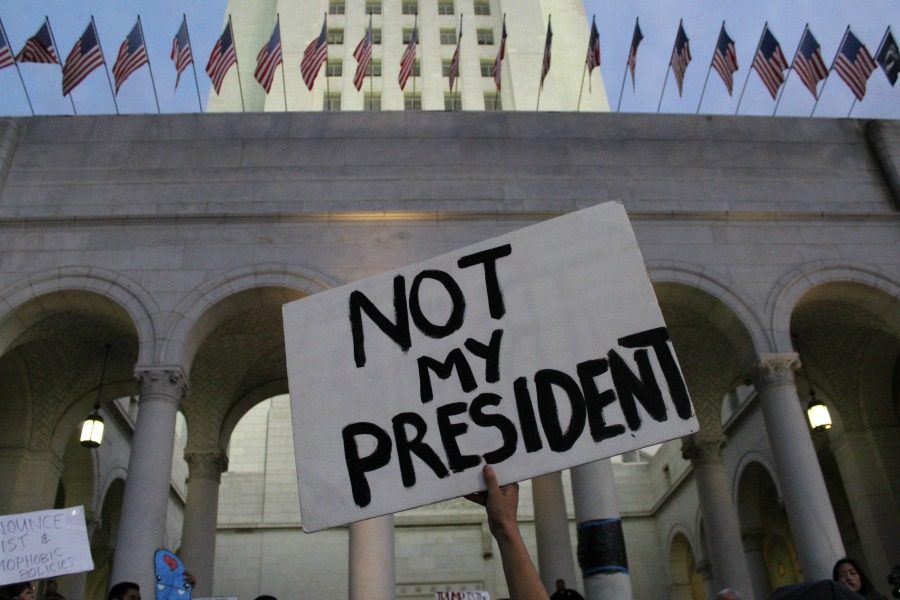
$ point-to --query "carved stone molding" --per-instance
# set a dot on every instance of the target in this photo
(162, 384)
(776, 369)
(206, 465)
(702, 450)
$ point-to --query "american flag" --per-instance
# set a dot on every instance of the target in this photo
(545, 67)
(854, 64)
(315, 54)
(632, 53)
(501, 53)
(268, 59)
(363, 55)
(808, 62)
(132, 56)
(725, 59)
(681, 56)
(593, 51)
(181, 51)
(454, 62)
(6, 56)
(770, 62)
(888, 56)
(39, 48)
(408, 60)
(222, 57)
(84, 58)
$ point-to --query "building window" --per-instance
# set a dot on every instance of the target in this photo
(453, 101)
(407, 34)
(372, 102)
(417, 69)
(335, 37)
(492, 101)
(374, 68)
(334, 68)
(373, 7)
(487, 68)
(445, 7)
(485, 37)
(332, 102)
(412, 101)
(336, 8)
(376, 36)
(445, 67)
(448, 36)
(410, 7)
(482, 7)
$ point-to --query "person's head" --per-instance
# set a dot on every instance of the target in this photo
(560, 585)
(23, 590)
(266, 598)
(728, 594)
(125, 590)
(51, 586)
(848, 572)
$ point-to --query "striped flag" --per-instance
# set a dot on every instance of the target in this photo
(268, 59)
(363, 55)
(501, 53)
(888, 56)
(221, 58)
(809, 64)
(681, 56)
(593, 51)
(854, 64)
(454, 62)
(632, 53)
(770, 62)
(39, 48)
(84, 58)
(181, 51)
(725, 59)
(132, 56)
(6, 56)
(545, 67)
(408, 60)
(315, 54)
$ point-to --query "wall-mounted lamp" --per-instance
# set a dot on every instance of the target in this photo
(816, 411)
(92, 427)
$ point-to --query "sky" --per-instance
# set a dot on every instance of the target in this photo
(654, 89)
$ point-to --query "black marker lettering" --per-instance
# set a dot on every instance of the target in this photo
(530, 434)
(457, 313)
(398, 330)
(544, 382)
(490, 353)
(358, 466)
(449, 432)
(630, 387)
(489, 259)
(455, 360)
(658, 340)
(506, 427)
(596, 401)
(406, 447)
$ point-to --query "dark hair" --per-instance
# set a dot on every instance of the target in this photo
(864, 586)
(12, 590)
(118, 591)
(266, 598)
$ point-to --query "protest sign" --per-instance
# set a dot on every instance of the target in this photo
(462, 596)
(42, 544)
(535, 351)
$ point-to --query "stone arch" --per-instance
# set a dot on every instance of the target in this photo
(685, 582)
(798, 282)
(753, 457)
(240, 408)
(22, 302)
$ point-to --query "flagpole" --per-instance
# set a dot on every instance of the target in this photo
(415, 35)
(830, 69)
(665, 81)
(283, 81)
(193, 62)
(625, 76)
(55, 45)
(747, 79)
(15, 62)
(327, 78)
(709, 70)
(237, 64)
(458, 44)
(541, 86)
(788, 76)
(105, 64)
(149, 68)
(371, 64)
(500, 66)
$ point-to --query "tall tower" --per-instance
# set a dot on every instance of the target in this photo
(439, 27)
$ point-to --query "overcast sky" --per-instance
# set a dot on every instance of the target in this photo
(828, 20)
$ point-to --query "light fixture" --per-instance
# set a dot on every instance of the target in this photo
(92, 427)
(816, 411)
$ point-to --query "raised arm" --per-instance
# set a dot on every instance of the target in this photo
(502, 504)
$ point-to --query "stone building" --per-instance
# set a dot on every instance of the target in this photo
(772, 245)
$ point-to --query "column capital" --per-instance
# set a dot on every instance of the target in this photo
(776, 368)
(159, 383)
(703, 450)
(206, 464)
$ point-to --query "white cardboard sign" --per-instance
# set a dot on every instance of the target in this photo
(534, 351)
(43, 544)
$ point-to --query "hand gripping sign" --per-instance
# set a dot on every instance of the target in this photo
(535, 351)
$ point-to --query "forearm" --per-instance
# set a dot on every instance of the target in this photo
(521, 576)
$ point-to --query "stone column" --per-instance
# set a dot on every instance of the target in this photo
(551, 528)
(142, 528)
(372, 574)
(601, 543)
(720, 518)
(198, 536)
(811, 517)
(756, 560)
